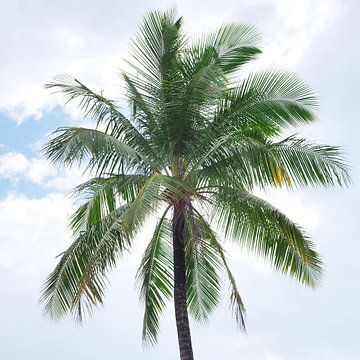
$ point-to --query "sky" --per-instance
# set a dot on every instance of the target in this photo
(88, 39)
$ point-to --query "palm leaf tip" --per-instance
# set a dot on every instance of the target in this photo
(236, 303)
(238, 309)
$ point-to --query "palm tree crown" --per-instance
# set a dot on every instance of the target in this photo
(200, 138)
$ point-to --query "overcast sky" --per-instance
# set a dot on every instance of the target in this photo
(317, 39)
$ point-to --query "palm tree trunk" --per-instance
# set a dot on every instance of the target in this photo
(181, 314)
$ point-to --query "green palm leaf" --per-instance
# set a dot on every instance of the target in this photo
(234, 45)
(309, 164)
(267, 101)
(101, 196)
(101, 109)
(78, 282)
(263, 229)
(155, 275)
(157, 43)
(252, 161)
(203, 267)
(236, 302)
(103, 152)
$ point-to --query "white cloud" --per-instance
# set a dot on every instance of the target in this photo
(31, 229)
(75, 41)
(294, 26)
(56, 41)
(12, 164)
(52, 41)
(16, 166)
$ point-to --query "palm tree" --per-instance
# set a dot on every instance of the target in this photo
(199, 139)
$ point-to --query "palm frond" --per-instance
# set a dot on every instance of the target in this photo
(100, 109)
(251, 161)
(141, 101)
(203, 265)
(247, 161)
(309, 164)
(156, 45)
(78, 282)
(101, 195)
(197, 93)
(236, 302)
(264, 230)
(102, 152)
(155, 275)
(235, 45)
(267, 101)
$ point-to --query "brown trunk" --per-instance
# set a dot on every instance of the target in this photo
(181, 314)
